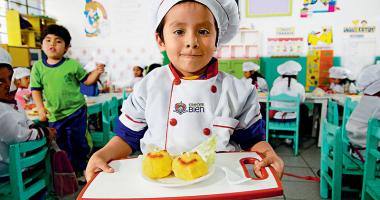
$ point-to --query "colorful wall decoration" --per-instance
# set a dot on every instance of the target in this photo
(318, 6)
(318, 63)
(285, 47)
(95, 19)
(320, 38)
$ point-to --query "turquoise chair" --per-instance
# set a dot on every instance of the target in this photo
(29, 169)
(355, 165)
(371, 181)
(292, 127)
(332, 112)
(334, 157)
(100, 138)
(331, 157)
(113, 114)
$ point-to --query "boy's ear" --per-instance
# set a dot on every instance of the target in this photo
(160, 42)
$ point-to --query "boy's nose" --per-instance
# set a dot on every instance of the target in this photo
(192, 42)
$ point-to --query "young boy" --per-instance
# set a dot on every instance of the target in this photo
(58, 79)
(21, 78)
(14, 125)
(179, 106)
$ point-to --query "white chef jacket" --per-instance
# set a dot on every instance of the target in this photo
(280, 86)
(262, 85)
(357, 125)
(14, 128)
(180, 114)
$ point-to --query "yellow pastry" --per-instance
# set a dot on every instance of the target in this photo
(189, 166)
(157, 164)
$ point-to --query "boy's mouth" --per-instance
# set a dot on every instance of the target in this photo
(191, 55)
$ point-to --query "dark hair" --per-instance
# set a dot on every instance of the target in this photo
(254, 75)
(152, 67)
(289, 78)
(160, 27)
(5, 65)
(344, 81)
(59, 31)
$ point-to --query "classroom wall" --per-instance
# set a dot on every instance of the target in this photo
(126, 39)
(348, 10)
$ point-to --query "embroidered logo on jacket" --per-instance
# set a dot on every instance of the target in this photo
(181, 108)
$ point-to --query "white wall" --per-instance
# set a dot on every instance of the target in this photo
(128, 40)
(349, 10)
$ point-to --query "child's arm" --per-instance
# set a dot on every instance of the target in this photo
(270, 158)
(94, 75)
(115, 149)
(37, 97)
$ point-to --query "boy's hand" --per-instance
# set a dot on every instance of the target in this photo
(99, 68)
(51, 134)
(42, 112)
(270, 159)
(96, 164)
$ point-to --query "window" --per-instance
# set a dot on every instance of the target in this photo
(26, 7)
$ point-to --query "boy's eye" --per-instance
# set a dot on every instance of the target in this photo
(204, 32)
(178, 32)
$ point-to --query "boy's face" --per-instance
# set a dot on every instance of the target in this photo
(5, 84)
(53, 46)
(189, 37)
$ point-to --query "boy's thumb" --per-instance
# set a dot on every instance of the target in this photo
(106, 168)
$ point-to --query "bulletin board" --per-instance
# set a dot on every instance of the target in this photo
(268, 8)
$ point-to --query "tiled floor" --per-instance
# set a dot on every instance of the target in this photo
(305, 164)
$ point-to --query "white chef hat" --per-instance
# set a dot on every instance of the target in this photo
(225, 12)
(338, 72)
(5, 58)
(250, 66)
(20, 72)
(289, 68)
(369, 79)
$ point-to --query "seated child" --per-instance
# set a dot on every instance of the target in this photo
(287, 84)
(99, 61)
(15, 127)
(340, 82)
(252, 75)
(21, 78)
(368, 107)
(138, 75)
(178, 106)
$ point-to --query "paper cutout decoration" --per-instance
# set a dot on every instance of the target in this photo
(318, 6)
(96, 19)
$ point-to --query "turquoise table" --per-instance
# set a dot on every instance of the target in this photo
(94, 104)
